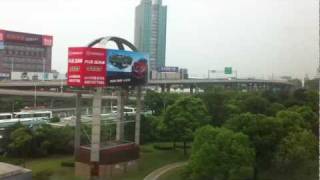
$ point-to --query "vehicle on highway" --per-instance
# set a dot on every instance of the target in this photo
(126, 110)
(24, 117)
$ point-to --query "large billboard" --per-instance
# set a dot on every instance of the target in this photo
(87, 67)
(126, 68)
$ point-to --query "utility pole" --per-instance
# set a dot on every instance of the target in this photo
(96, 132)
(138, 116)
(77, 142)
(120, 122)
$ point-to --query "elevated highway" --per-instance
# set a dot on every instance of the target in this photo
(61, 83)
(165, 85)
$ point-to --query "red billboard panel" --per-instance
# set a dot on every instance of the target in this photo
(87, 67)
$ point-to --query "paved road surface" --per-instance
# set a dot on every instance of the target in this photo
(158, 172)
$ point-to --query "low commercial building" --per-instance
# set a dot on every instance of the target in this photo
(24, 52)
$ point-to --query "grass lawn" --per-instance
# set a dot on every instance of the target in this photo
(150, 160)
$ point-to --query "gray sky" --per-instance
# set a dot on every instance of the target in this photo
(257, 37)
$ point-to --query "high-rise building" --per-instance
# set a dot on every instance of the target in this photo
(24, 52)
(150, 31)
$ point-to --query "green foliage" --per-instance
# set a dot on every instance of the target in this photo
(55, 120)
(310, 118)
(274, 108)
(20, 142)
(264, 133)
(255, 104)
(159, 102)
(218, 107)
(183, 118)
(290, 121)
(297, 149)
(219, 153)
(149, 129)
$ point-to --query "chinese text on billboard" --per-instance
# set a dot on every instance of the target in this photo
(87, 67)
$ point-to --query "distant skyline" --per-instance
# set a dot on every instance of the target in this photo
(256, 37)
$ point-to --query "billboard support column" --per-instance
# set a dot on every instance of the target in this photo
(120, 107)
(77, 125)
(138, 116)
(96, 122)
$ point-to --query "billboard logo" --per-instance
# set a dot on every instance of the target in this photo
(47, 40)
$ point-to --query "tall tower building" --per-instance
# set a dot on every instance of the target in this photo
(150, 31)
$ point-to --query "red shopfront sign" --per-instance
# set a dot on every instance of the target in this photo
(87, 67)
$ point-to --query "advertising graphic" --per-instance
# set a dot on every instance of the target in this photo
(126, 67)
(87, 67)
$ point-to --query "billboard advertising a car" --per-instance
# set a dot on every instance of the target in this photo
(126, 68)
(87, 67)
(168, 69)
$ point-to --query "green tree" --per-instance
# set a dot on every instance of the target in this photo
(220, 154)
(274, 108)
(310, 118)
(290, 121)
(218, 107)
(255, 104)
(183, 118)
(295, 153)
(21, 139)
(149, 129)
(264, 133)
(158, 102)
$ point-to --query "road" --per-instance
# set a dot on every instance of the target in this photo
(158, 172)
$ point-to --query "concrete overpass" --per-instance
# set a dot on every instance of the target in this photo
(186, 82)
(240, 84)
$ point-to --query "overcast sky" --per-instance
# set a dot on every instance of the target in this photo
(257, 37)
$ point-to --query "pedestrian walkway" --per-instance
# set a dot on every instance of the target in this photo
(158, 172)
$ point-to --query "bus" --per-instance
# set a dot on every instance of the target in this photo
(126, 110)
(25, 118)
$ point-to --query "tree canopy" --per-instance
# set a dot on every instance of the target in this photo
(220, 154)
